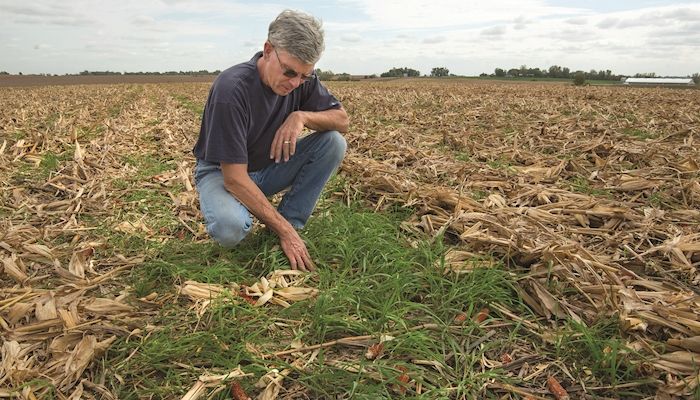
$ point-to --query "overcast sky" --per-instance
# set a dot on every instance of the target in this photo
(362, 36)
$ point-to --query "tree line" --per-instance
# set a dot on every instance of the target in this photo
(555, 71)
(410, 72)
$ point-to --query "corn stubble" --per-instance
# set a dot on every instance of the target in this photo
(595, 222)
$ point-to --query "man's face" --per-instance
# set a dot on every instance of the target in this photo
(288, 72)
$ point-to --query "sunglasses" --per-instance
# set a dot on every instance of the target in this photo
(291, 73)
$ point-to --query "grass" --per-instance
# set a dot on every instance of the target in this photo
(50, 163)
(600, 350)
(371, 282)
(148, 165)
(639, 133)
(463, 156)
(582, 185)
(196, 107)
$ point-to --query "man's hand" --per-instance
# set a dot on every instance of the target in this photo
(295, 250)
(285, 142)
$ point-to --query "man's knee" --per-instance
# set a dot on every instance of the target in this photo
(228, 232)
(335, 146)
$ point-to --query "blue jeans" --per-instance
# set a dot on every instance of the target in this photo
(317, 157)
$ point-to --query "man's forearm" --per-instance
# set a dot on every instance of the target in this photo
(238, 183)
(329, 120)
(248, 193)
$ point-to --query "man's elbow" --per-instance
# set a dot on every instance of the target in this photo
(235, 177)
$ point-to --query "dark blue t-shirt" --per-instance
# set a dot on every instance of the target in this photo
(242, 115)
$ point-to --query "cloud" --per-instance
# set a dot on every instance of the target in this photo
(494, 31)
(75, 21)
(351, 38)
(569, 34)
(577, 21)
(682, 14)
(143, 20)
(607, 23)
(46, 14)
(521, 23)
(434, 40)
(35, 9)
(421, 14)
(689, 34)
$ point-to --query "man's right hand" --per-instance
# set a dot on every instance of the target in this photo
(295, 250)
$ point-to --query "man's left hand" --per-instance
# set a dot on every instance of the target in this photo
(285, 142)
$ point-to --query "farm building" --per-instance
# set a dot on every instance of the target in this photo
(660, 81)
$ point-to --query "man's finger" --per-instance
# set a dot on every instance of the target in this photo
(285, 149)
(278, 151)
(273, 147)
(300, 263)
(292, 261)
(306, 258)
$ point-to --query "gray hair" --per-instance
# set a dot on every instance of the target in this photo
(299, 34)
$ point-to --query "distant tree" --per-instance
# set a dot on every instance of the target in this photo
(440, 71)
(342, 77)
(483, 75)
(4, 73)
(499, 72)
(579, 78)
(696, 78)
(645, 75)
(400, 72)
(555, 71)
(514, 72)
(324, 75)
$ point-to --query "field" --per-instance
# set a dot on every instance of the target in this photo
(481, 240)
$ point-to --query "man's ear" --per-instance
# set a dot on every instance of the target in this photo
(267, 49)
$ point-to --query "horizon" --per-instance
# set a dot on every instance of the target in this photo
(377, 75)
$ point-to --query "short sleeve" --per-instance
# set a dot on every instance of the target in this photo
(315, 97)
(225, 135)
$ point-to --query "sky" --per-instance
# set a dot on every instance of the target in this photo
(363, 37)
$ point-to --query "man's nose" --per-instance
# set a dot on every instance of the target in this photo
(297, 81)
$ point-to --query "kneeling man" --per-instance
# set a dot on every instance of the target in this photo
(249, 146)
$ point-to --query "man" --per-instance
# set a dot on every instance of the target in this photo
(249, 146)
